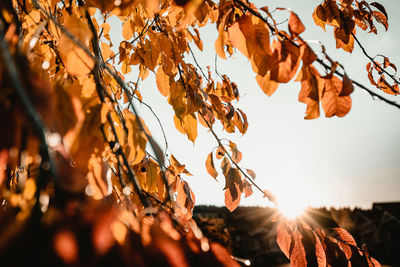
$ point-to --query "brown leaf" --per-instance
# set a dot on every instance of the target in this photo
(248, 190)
(233, 187)
(315, 253)
(319, 16)
(334, 254)
(285, 61)
(306, 53)
(251, 173)
(238, 39)
(236, 154)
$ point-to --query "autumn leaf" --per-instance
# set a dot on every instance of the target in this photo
(295, 25)
(76, 61)
(236, 154)
(177, 99)
(283, 238)
(267, 85)
(315, 253)
(136, 149)
(233, 187)
(285, 61)
(127, 32)
(334, 254)
(297, 252)
(311, 89)
(163, 82)
(210, 166)
(248, 190)
(185, 198)
(332, 102)
(89, 137)
(98, 186)
(188, 126)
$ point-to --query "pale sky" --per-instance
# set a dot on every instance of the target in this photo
(350, 161)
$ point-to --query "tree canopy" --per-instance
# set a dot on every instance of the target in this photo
(80, 172)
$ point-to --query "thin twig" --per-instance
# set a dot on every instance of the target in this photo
(195, 61)
(373, 61)
(100, 92)
(230, 158)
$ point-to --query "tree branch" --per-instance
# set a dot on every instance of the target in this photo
(320, 61)
(373, 61)
(47, 168)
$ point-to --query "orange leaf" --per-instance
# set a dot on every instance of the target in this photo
(332, 102)
(163, 82)
(189, 126)
(285, 61)
(233, 187)
(237, 38)
(76, 61)
(210, 166)
(283, 238)
(297, 251)
(267, 85)
(185, 198)
(311, 89)
(127, 32)
(319, 16)
(295, 25)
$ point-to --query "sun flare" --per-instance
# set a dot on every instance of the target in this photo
(291, 209)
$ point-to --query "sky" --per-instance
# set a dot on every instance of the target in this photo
(350, 161)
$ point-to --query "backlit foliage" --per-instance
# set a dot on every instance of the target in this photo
(75, 166)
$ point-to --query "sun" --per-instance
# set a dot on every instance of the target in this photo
(293, 201)
(291, 208)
